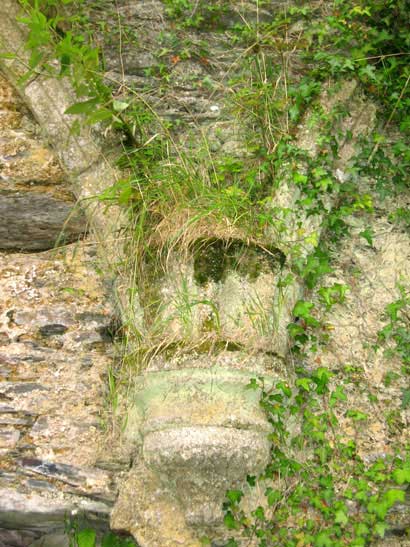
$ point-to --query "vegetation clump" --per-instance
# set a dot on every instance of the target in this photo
(317, 489)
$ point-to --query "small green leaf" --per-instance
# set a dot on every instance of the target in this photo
(302, 309)
(304, 383)
(86, 538)
(337, 395)
(120, 106)
(362, 529)
(259, 513)
(101, 115)
(393, 496)
(401, 476)
(341, 517)
(234, 496)
(368, 236)
(323, 539)
(356, 415)
(85, 107)
(298, 178)
(273, 496)
(230, 522)
(253, 384)
(284, 388)
(380, 528)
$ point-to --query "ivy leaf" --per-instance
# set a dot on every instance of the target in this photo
(284, 388)
(303, 383)
(337, 395)
(341, 517)
(323, 540)
(259, 513)
(230, 522)
(401, 476)
(369, 72)
(294, 112)
(302, 309)
(86, 538)
(362, 529)
(368, 236)
(299, 178)
(392, 496)
(273, 496)
(348, 65)
(234, 496)
(253, 384)
(379, 508)
(380, 528)
(324, 184)
(356, 415)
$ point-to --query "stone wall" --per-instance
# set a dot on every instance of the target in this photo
(55, 344)
(193, 430)
(56, 315)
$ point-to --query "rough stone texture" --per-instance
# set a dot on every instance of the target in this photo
(148, 510)
(55, 351)
(176, 412)
(300, 232)
(56, 345)
(80, 154)
(37, 211)
(205, 295)
(373, 274)
(193, 427)
(201, 463)
(36, 222)
(212, 396)
(199, 431)
(251, 312)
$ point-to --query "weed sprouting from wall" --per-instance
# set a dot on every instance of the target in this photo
(219, 208)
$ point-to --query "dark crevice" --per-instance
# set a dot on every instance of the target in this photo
(214, 257)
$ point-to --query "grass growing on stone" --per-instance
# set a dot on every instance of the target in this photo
(196, 197)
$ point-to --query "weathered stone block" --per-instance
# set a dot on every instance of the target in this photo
(37, 222)
(201, 431)
(217, 293)
(201, 463)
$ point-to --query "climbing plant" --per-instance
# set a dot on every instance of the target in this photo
(82, 535)
(317, 489)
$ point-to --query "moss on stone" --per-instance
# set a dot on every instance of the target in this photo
(213, 258)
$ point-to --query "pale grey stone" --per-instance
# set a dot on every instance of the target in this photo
(52, 540)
